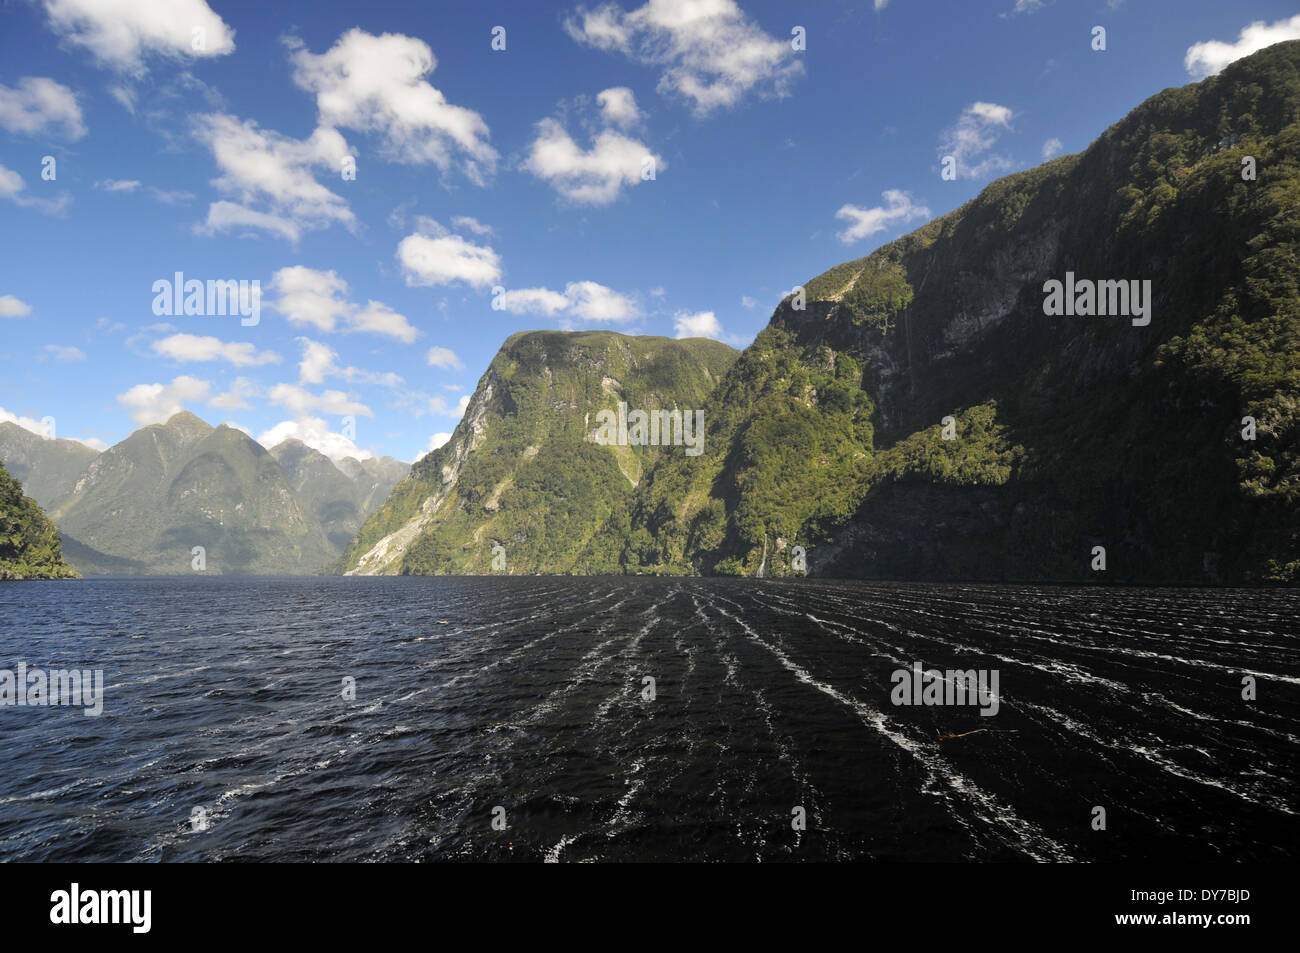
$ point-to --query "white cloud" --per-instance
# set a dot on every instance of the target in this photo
(590, 177)
(865, 222)
(442, 259)
(712, 53)
(594, 302)
(973, 135)
(532, 301)
(584, 300)
(1052, 147)
(242, 390)
(618, 107)
(118, 185)
(319, 299)
(37, 106)
(320, 361)
(65, 354)
(261, 167)
(12, 185)
(376, 84)
(11, 307)
(299, 401)
(436, 441)
(704, 324)
(1210, 57)
(747, 302)
(193, 347)
(378, 318)
(445, 358)
(315, 433)
(38, 427)
(308, 296)
(472, 225)
(120, 32)
(155, 403)
(438, 405)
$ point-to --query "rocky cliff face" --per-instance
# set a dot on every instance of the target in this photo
(524, 485)
(919, 414)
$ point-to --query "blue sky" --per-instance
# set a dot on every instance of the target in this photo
(672, 167)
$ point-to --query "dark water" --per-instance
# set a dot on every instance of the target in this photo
(225, 695)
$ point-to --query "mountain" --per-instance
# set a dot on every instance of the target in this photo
(146, 502)
(340, 495)
(1067, 432)
(29, 540)
(538, 464)
(49, 469)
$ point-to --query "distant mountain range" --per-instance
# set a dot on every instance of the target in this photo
(145, 504)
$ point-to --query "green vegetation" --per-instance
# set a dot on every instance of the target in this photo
(30, 547)
(521, 471)
(827, 433)
(1070, 432)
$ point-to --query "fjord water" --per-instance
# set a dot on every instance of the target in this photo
(527, 693)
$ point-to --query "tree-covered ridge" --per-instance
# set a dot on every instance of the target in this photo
(522, 471)
(30, 547)
(1069, 432)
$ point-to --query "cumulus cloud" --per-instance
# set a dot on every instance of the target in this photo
(239, 397)
(270, 180)
(531, 301)
(307, 296)
(39, 427)
(155, 403)
(315, 433)
(973, 135)
(119, 33)
(703, 324)
(1052, 147)
(197, 348)
(1211, 56)
(38, 107)
(11, 307)
(377, 84)
(592, 176)
(618, 107)
(711, 53)
(590, 301)
(320, 361)
(582, 300)
(433, 256)
(445, 358)
(865, 222)
(299, 401)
